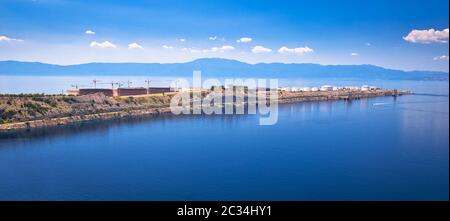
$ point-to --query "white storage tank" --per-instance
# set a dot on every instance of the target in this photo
(326, 88)
(352, 88)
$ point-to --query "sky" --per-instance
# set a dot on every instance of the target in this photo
(406, 35)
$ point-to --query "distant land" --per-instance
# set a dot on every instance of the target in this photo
(216, 67)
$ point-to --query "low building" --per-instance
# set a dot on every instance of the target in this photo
(158, 90)
(295, 89)
(365, 88)
(326, 88)
(352, 88)
(130, 91)
(314, 89)
(105, 91)
(120, 91)
(306, 89)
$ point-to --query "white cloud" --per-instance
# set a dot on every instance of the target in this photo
(215, 38)
(354, 54)
(195, 50)
(368, 44)
(244, 40)
(441, 58)
(297, 51)
(260, 50)
(427, 36)
(8, 39)
(135, 46)
(167, 47)
(89, 32)
(182, 39)
(220, 49)
(192, 50)
(105, 44)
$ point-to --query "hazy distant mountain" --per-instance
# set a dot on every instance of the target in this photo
(219, 67)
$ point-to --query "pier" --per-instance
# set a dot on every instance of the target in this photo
(38, 110)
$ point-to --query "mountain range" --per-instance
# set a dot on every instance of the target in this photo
(217, 67)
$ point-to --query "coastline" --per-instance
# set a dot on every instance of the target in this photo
(153, 110)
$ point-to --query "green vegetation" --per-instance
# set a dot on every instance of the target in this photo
(25, 107)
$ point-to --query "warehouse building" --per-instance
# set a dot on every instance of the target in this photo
(120, 91)
(130, 91)
(106, 92)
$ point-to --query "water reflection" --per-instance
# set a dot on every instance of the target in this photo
(99, 127)
(333, 150)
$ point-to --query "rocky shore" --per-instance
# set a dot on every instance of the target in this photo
(36, 111)
(293, 97)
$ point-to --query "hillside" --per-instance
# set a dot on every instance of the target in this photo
(215, 67)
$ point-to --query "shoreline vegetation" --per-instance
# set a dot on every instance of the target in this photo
(28, 111)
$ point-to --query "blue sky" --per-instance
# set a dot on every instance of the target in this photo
(326, 32)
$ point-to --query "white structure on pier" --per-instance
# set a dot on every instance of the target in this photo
(295, 89)
(365, 88)
(352, 88)
(306, 89)
(314, 89)
(326, 88)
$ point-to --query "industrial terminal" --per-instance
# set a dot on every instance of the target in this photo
(119, 91)
(136, 91)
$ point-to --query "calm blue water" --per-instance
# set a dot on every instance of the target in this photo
(317, 151)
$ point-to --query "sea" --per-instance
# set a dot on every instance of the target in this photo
(383, 148)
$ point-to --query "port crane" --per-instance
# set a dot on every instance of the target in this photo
(76, 86)
(112, 83)
(122, 83)
(95, 82)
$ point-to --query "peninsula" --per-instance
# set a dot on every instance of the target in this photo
(27, 111)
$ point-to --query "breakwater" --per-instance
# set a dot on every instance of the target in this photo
(35, 111)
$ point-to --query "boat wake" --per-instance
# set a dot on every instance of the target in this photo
(380, 104)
